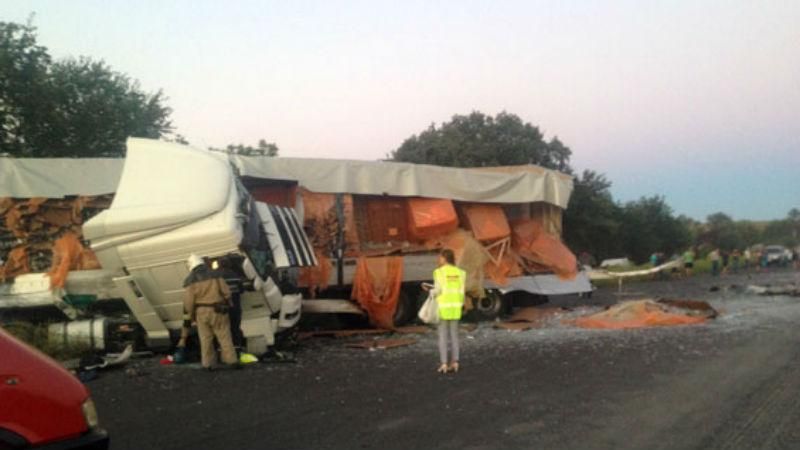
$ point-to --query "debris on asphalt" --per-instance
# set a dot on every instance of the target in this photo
(514, 326)
(381, 344)
(469, 327)
(786, 289)
(278, 357)
(340, 333)
(413, 329)
(527, 318)
(134, 372)
(92, 362)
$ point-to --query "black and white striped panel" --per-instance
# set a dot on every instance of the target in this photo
(289, 243)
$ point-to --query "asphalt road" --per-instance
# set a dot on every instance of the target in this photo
(731, 383)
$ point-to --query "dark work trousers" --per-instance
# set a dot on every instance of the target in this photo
(236, 322)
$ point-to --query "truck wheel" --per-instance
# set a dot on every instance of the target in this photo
(489, 307)
(406, 305)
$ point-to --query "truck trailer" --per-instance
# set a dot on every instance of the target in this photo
(171, 200)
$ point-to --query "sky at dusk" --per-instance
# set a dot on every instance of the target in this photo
(697, 101)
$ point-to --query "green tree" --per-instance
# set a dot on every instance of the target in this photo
(478, 140)
(592, 220)
(785, 231)
(178, 139)
(721, 232)
(263, 148)
(648, 226)
(749, 234)
(23, 86)
(70, 108)
(694, 227)
(794, 224)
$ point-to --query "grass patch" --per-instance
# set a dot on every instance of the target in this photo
(37, 335)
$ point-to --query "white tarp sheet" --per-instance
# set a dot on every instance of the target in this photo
(525, 184)
(57, 177)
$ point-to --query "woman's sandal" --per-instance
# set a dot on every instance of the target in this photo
(442, 368)
(453, 367)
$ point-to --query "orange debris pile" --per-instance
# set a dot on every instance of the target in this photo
(639, 314)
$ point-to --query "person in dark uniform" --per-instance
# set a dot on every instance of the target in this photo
(208, 302)
(226, 268)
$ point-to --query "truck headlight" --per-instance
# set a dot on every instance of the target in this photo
(90, 413)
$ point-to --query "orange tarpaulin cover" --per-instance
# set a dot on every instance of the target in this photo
(6, 203)
(430, 217)
(636, 314)
(376, 287)
(15, 264)
(499, 273)
(69, 254)
(319, 214)
(532, 243)
(487, 222)
(280, 194)
(316, 278)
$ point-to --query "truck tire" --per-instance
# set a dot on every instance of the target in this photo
(10, 440)
(489, 307)
(521, 299)
(406, 305)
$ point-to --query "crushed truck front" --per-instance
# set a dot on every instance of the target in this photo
(172, 201)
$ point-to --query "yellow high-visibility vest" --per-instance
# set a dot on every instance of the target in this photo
(452, 282)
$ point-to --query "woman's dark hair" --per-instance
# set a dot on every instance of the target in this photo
(448, 256)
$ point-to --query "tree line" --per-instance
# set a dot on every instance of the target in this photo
(83, 108)
(594, 221)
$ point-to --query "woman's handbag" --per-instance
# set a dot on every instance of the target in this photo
(429, 313)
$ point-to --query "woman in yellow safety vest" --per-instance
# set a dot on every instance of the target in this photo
(448, 290)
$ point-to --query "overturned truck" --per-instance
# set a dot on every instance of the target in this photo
(169, 201)
(332, 236)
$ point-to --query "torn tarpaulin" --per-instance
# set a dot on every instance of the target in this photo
(376, 287)
(31, 228)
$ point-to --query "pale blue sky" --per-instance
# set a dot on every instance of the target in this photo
(694, 100)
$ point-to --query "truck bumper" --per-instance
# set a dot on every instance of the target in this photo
(291, 306)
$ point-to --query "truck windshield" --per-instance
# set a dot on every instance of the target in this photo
(255, 244)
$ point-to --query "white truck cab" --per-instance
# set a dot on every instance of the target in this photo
(174, 200)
